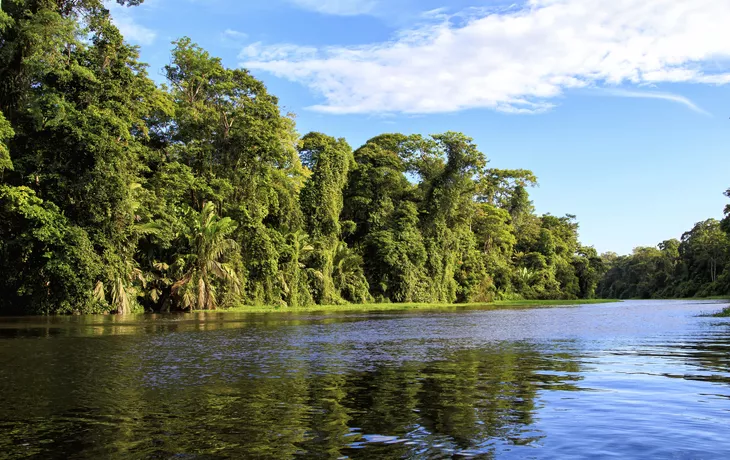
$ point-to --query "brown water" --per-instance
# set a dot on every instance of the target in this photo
(639, 379)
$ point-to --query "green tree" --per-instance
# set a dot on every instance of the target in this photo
(495, 235)
(704, 249)
(6, 132)
(449, 203)
(383, 205)
(589, 268)
(348, 276)
(294, 276)
(48, 265)
(211, 247)
(321, 201)
(78, 101)
(228, 130)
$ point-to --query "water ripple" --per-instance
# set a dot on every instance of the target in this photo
(640, 379)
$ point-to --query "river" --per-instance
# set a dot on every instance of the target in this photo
(637, 379)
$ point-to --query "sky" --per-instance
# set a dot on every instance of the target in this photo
(621, 108)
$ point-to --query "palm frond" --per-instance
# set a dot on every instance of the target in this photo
(150, 228)
(161, 266)
(210, 247)
(99, 292)
(120, 298)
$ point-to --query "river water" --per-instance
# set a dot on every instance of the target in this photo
(638, 379)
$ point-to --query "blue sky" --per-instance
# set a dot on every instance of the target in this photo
(620, 108)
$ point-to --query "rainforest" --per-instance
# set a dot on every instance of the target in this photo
(121, 195)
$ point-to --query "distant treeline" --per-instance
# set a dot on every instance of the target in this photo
(698, 265)
(117, 195)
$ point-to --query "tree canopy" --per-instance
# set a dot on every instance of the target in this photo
(698, 264)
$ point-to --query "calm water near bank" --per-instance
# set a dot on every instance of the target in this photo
(638, 379)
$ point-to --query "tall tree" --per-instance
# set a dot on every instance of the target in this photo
(330, 160)
(453, 262)
(78, 100)
(229, 131)
(383, 205)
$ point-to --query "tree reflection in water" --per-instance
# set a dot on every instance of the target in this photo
(109, 399)
(363, 386)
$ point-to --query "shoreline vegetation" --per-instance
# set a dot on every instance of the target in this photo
(121, 195)
(724, 313)
(373, 307)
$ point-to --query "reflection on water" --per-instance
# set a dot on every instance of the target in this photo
(630, 380)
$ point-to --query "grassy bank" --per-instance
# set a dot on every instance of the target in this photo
(413, 306)
(725, 313)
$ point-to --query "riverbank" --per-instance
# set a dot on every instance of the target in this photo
(415, 306)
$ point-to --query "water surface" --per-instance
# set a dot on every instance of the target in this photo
(638, 379)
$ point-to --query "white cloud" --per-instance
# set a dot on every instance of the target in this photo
(234, 34)
(130, 29)
(233, 37)
(656, 95)
(337, 7)
(517, 60)
(274, 52)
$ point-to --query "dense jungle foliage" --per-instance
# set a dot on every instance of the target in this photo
(118, 195)
(697, 265)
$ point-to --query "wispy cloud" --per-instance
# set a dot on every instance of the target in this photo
(515, 60)
(234, 34)
(129, 27)
(338, 7)
(232, 37)
(657, 95)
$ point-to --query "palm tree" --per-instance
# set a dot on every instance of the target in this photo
(124, 276)
(348, 276)
(291, 278)
(210, 245)
(526, 275)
